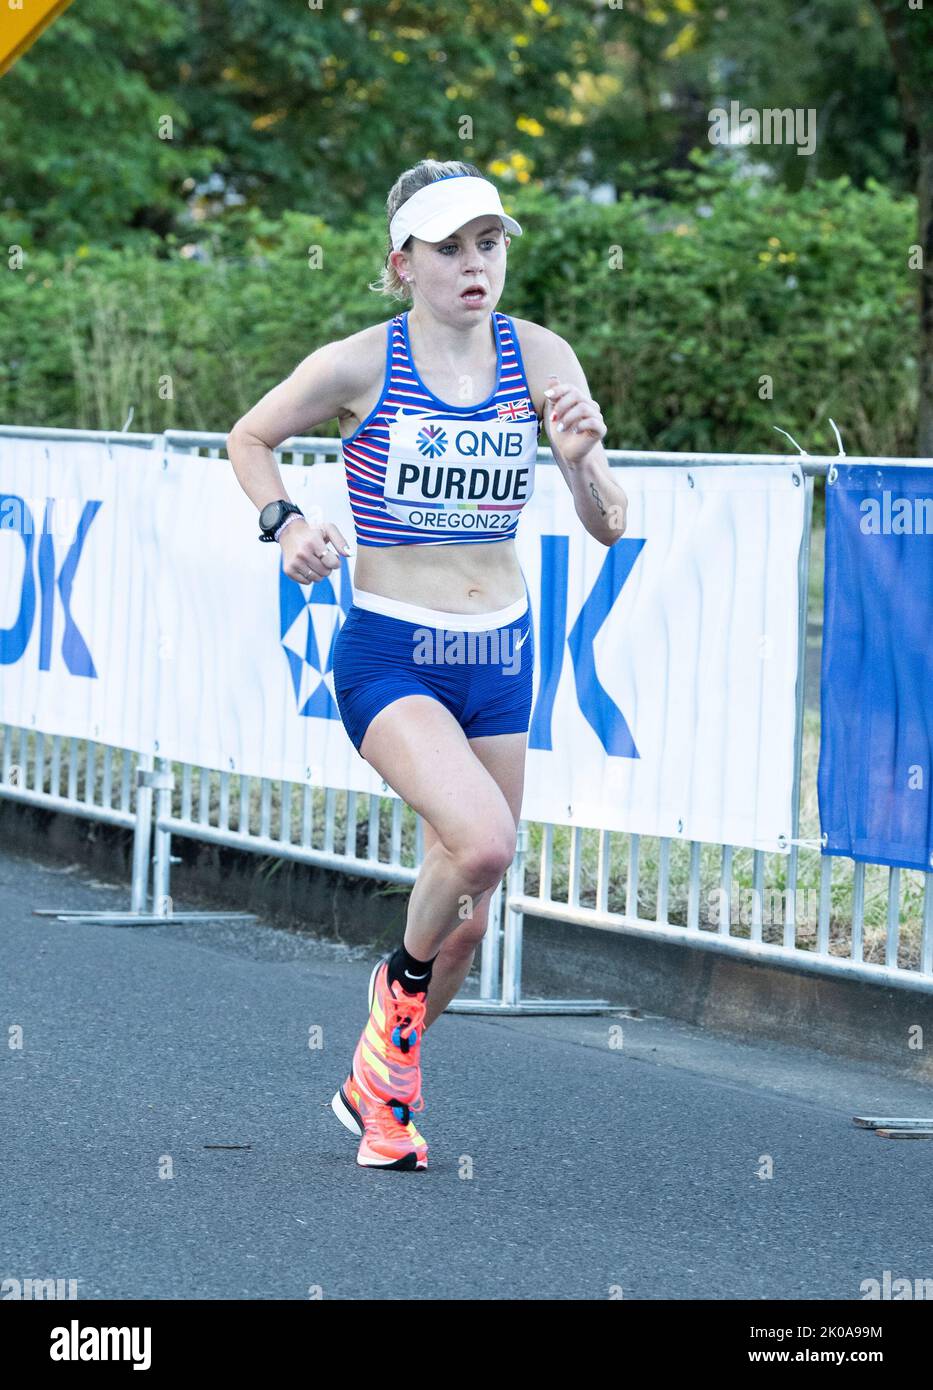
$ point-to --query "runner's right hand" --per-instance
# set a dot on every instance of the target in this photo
(310, 552)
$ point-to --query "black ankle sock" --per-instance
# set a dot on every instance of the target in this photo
(402, 961)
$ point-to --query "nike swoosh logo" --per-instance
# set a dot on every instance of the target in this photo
(524, 639)
(415, 977)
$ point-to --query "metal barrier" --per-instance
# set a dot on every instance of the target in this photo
(32, 775)
(31, 768)
(328, 819)
(788, 951)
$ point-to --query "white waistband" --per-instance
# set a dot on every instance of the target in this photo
(435, 617)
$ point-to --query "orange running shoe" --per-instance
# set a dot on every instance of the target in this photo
(348, 1105)
(388, 1137)
(387, 1060)
(352, 1106)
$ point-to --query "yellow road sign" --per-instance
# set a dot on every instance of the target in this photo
(21, 24)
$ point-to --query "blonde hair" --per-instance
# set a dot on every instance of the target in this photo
(418, 176)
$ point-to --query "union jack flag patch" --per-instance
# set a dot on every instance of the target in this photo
(515, 410)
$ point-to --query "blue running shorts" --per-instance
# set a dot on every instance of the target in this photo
(479, 665)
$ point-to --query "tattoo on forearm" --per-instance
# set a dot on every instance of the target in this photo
(597, 499)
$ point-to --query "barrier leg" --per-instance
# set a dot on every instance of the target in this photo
(161, 864)
(139, 891)
(489, 968)
(148, 781)
(164, 782)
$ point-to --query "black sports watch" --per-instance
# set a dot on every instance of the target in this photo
(272, 516)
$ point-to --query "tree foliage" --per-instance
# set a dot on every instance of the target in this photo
(318, 109)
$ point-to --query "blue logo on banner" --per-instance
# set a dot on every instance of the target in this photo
(17, 519)
(309, 627)
(308, 630)
(599, 709)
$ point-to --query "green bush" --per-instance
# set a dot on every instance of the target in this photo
(722, 284)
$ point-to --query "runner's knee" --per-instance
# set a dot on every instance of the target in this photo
(482, 859)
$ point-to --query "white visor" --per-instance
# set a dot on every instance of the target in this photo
(445, 205)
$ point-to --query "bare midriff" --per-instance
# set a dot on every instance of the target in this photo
(472, 578)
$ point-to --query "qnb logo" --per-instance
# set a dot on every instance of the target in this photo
(432, 441)
(39, 583)
(596, 705)
(498, 444)
(308, 628)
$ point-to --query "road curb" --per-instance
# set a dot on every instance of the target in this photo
(869, 1022)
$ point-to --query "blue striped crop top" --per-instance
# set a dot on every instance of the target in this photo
(422, 472)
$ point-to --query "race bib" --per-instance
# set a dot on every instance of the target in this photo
(445, 475)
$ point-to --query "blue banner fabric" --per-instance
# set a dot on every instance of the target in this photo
(875, 780)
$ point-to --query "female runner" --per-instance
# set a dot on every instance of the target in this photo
(439, 411)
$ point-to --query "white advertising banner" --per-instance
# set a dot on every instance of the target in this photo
(77, 619)
(665, 665)
(667, 662)
(245, 680)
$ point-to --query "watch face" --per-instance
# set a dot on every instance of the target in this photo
(269, 516)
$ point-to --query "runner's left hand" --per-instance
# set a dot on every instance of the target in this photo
(576, 420)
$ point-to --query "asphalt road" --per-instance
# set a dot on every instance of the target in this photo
(633, 1168)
